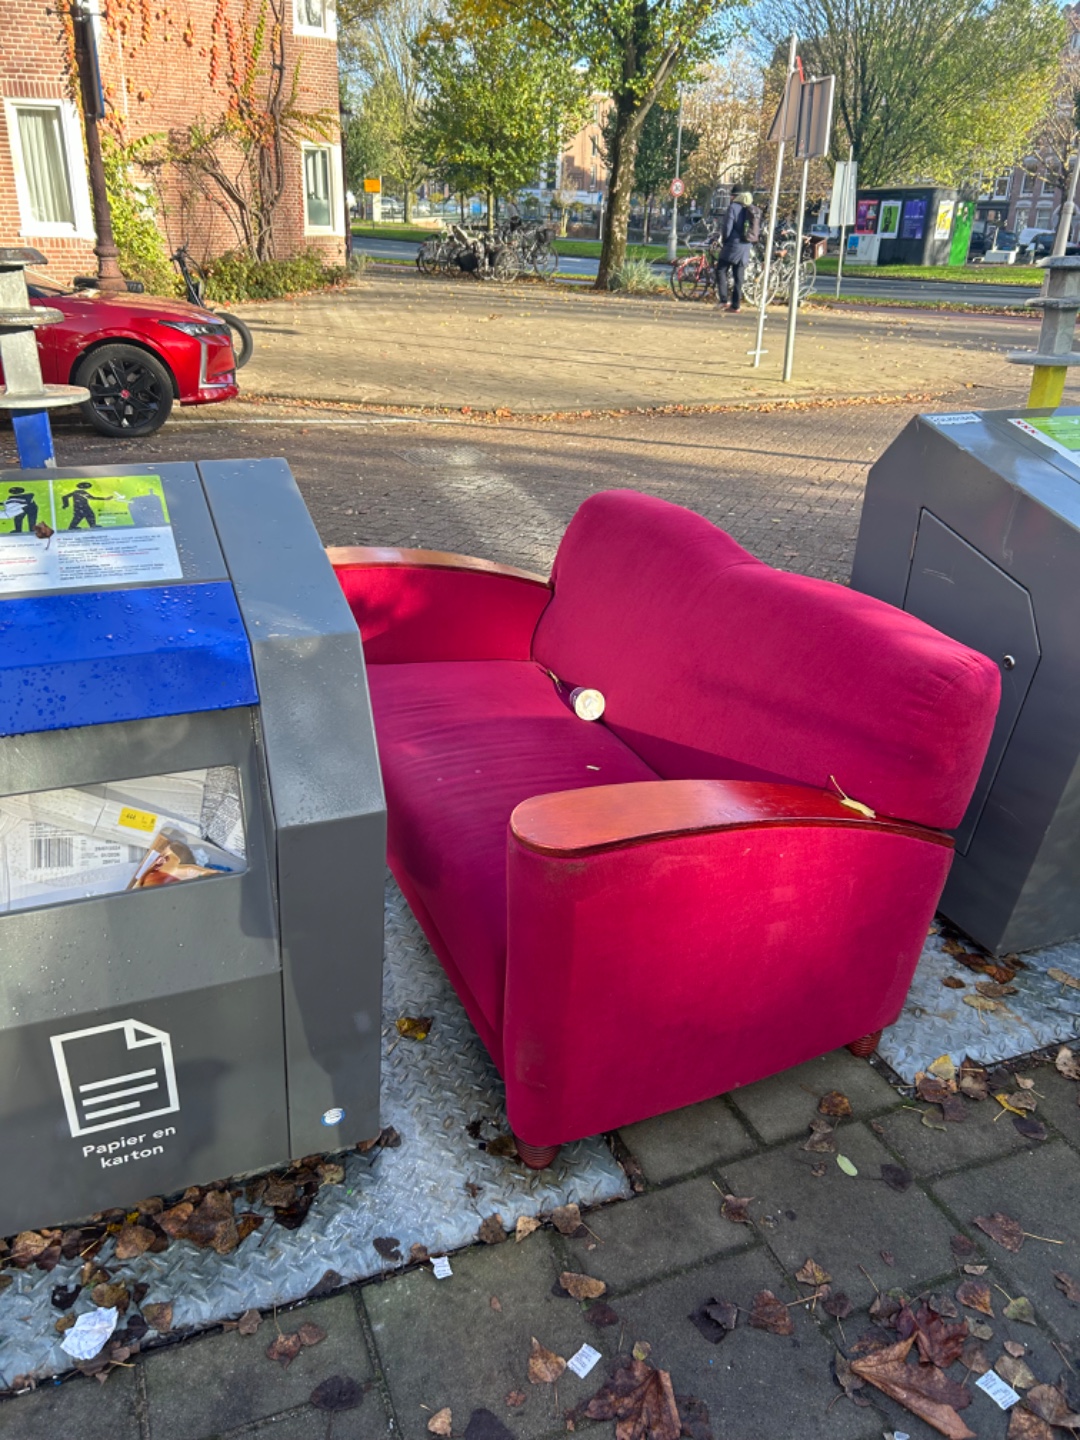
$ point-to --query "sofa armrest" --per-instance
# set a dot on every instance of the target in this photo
(604, 817)
(670, 940)
(416, 605)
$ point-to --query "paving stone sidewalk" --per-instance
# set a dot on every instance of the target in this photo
(417, 1344)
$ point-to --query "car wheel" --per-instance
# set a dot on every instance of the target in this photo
(131, 392)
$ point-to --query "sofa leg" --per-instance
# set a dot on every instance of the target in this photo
(536, 1157)
(865, 1047)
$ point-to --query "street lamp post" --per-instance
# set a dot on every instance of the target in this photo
(1068, 208)
(93, 105)
(673, 233)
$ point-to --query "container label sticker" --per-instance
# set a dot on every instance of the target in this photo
(583, 1361)
(966, 417)
(1002, 1395)
(59, 534)
(137, 819)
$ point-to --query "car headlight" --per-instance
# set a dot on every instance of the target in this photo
(195, 327)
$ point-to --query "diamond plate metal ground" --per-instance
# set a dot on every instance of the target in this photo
(431, 1090)
(935, 1020)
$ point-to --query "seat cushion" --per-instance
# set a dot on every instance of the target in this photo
(461, 744)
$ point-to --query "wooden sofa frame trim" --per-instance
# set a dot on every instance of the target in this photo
(572, 823)
(377, 556)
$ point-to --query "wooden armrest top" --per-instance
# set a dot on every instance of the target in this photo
(371, 556)
(602, 817)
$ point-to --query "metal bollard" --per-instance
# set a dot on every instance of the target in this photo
(1059, 303)
(24, 392)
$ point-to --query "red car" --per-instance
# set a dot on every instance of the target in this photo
(136, 354)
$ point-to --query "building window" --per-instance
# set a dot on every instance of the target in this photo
(1042, 216)
(322, 190)
(1048, 186)
(592, 177)
(1027, 183)
(1001, 186)
(1021, 219)
(50, 174)
(315, 17)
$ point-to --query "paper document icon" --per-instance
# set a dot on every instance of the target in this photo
(116, 1074)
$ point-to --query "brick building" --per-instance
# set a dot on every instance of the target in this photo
(579, 176)
(165, 65)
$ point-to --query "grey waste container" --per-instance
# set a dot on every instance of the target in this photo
(191, 837)
(972, 522)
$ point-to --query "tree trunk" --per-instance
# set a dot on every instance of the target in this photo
(490, 212)
(648, 217)
(628, 124)
(407, 204)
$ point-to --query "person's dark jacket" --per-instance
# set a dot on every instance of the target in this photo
(734, 251)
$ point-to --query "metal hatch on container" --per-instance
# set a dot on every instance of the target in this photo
(955, 588)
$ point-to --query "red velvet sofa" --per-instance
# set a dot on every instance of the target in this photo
(645, 911)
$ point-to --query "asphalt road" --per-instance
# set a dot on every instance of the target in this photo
(938, 290)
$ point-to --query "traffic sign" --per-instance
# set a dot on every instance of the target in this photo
(678, 187)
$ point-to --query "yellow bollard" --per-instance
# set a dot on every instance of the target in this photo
(1047, 387)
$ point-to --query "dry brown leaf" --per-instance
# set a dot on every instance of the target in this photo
(582, 1287)
(525, 1226)
(414, 1027)
(108, 1294)
(1021, 1100)
(940, 1341)
(566, 1219)
(640, 1400)
(1050, 1405)
(993, 989)
(1002, 1229)
(496, 1304)
(1063, 977)
(975, 1294)
(811, 1273)
(944, 1068)
(769, 1313)
(133, 1240)
(158, 1315)
(821, 1141)
(515, 1399)
(284, 1349)
(976, 1269)
(838, 1306)
(735, 1209)
(311, 1334)
(248, 1323)
(418, 1254)
(932, 1090)
(330, 1173)
(442, 1422)
(1015, 1372)
(1069, 1287)
(981, 1330)
(973, 1357)
(1025, 1426)
(491, 1230)
(953, 982)
(1025, 1083)
(545, 1366)
(982, 1002)
(923, 1389)
(835, 1104)
(1067, 1064)
(1015, 1348)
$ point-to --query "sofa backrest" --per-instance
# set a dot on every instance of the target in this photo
(714, 665)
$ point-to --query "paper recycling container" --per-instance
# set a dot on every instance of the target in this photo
(191, 837)
(972, 522)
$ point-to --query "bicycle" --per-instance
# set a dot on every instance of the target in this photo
(194, 277)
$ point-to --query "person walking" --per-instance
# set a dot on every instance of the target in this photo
(741, 230)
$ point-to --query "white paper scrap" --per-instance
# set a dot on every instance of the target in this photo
(87, 1336)
(1002, 1395)
(583, 1361)
(441, 1267)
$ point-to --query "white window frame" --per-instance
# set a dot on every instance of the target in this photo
(1002, 194)
(71, 138)
(1027, 184)
(326, 31)
(1047, 209)
(337, 203)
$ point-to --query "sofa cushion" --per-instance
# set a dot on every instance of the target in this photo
(716, 666)
(461, 744)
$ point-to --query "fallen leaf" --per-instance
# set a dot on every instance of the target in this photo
(923, 1389)
(1016, 1372)
(337, 1392)
(838, 1306)
(885, 1308)
(931, 1089)
(821, 1141)
(953, 1110)
(418, 1254)
(311, 1334)
(159, 1315)
(694, 1418)
(734, 1208)
(846, 1378)
(567, 1219)
(811, 1273)
(896, 1177)
(1069, 1287)
(1015, 1348)
(974, 1082)
(106, 1295)
(1020, 1100)
(1025, 1082)
(981, 1330)
(248, 1323)
(442, 1422)
(1063, 977)
(640, 1400)
(715, 1319)
(1067, 1064)
(63, 1297)
(582, 1287)
(515, 1399)
(483, 1425)
(325, 1285)
(834, 1104)
(641, 1350)
(1050, 1405)
(1029, 1127)
(330, 1173)
(872, 1342)
(491, 1230)
(525, 1226)
(1025, 1426)
(993, 989)
(973, 1357)
(64, 1323)
(545, 1366)
(818, 1170)
(976, 1269)
(769, 1313)
(388, 1246)
(26, 1247)
(981, 1002)
(1020, 1309)
(975, 1294)
(496, 1304)
(961, 1245)
(846, 1165)
(414, 1027)
(502, 1147)
(1004, 974)
(953, 982)
(133, 1240)
(284, 1349)
(1002, 1229)
(939, 1340)
(943, 1067)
